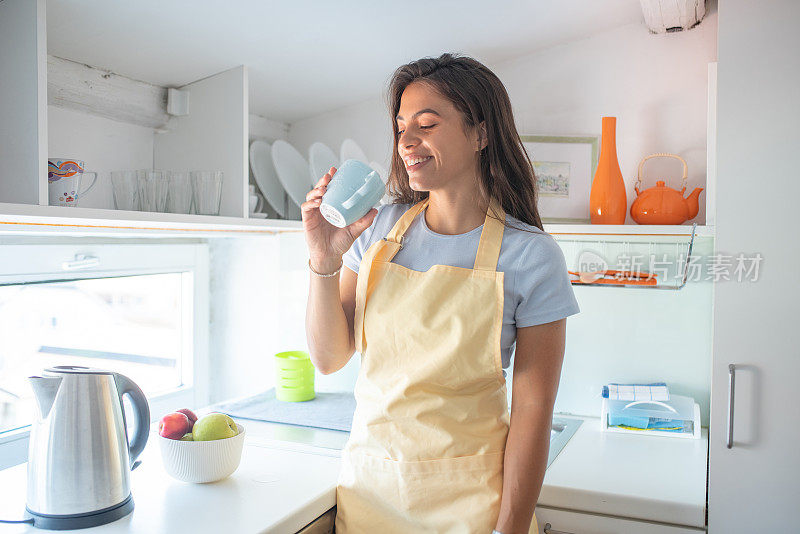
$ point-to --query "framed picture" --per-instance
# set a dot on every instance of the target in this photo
(564, 168)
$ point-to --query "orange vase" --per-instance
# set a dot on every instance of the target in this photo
(607, 201)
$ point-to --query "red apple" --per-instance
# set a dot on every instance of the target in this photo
(190, 414)
(174, 425)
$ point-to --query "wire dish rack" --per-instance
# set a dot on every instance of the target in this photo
(642, 261)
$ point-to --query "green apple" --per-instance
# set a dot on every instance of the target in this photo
(214, 426)
(187, 437)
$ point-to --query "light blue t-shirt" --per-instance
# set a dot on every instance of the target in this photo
(536, 283)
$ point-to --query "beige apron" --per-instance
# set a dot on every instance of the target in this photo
(425, 453)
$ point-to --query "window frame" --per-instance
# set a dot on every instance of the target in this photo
(21, 263)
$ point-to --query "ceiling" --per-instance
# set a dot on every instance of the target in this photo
(306, 57)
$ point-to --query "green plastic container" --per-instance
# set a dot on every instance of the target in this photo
(294, 376)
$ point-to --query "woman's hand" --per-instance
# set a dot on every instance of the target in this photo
(327, 243)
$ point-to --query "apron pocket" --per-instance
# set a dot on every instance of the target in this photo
(459, 495)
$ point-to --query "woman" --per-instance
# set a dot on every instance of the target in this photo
(433, 297)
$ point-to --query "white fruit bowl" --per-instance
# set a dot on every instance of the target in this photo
(202, 461)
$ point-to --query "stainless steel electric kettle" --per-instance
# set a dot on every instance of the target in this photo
(79, 461)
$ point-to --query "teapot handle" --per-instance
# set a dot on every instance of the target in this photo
(141, 415)
(661, 155)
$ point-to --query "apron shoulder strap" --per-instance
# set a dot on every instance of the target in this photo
(491, 237)
(399, 229)
(382, 250)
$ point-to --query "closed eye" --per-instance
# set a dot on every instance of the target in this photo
(399, 132)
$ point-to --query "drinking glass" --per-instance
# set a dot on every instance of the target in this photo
(152, 190)
(207, 191)
(125, 188)
(179, 192)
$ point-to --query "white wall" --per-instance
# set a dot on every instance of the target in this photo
(656, 86)
(367, 123)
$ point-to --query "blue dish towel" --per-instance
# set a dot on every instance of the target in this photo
(656, 391)
(332, 410)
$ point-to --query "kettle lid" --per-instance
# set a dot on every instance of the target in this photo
(77, 369)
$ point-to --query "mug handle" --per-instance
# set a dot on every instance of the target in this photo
(350, 202)
(94, 181)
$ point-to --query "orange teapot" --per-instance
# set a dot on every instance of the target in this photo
(662, 204)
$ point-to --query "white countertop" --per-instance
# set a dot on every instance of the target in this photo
(657, 478)
(288, 474)
(274, 490)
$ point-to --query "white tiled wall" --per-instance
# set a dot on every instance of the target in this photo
(260, 288)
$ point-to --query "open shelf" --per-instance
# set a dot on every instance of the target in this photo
(16, 218)
(671, 253)
(54, 220)
(597, 231)
(64, 109)
(214, 135)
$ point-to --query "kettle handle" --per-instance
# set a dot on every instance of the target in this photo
(661, 155)
(141, 414)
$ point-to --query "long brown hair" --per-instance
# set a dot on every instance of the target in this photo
(506, 172)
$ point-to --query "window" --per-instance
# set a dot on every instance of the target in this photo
(140, 310)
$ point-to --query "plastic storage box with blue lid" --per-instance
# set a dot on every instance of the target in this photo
(677, 417)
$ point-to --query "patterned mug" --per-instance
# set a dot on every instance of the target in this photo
(64, 177)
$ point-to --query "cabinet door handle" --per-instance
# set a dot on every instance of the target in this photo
(548, 529)
(81, 261)
(731, 393)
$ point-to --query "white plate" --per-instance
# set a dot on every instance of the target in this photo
(292, 170)
(321, 158)
(351, 150)
(266, 177)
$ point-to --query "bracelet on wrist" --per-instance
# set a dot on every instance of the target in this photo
(334, 273)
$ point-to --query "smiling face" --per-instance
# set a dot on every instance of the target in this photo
(438, 150)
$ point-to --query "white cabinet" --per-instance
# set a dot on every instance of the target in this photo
(555, 521)
(23, 98)
(324, 524)
(213, 136)
(754, 476)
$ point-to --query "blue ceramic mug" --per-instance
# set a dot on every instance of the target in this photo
(354, 190)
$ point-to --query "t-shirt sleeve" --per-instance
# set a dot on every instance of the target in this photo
(352, 258)
(543, 284)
